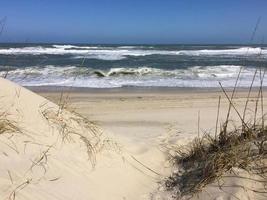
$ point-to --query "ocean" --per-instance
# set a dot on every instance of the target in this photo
(113, 66)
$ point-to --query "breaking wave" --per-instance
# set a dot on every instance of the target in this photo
(197, 76)
(122, 52)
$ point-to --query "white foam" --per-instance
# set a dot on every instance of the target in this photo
(74, 47)
(198, 76)
(109, 53)
(238, 51)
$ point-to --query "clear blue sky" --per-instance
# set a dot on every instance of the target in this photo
(133, 21)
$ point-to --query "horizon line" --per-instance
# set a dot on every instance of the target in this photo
(84, 43)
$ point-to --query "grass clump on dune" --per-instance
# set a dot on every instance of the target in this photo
(7, 126)
(208, 158)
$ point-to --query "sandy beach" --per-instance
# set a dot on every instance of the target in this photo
(104, 144)
(148, 113)
(149, 122)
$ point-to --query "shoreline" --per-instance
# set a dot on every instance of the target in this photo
(57, 89)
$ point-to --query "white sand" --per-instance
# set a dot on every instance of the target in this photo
(37, 164)
(165, 118)
(65, 172)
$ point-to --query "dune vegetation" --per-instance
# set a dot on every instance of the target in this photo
(211, 157)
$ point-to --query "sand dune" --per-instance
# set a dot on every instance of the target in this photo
(56, 154)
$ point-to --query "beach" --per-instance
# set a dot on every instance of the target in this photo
(151, 122)
(68, 140)
(115, 126)
(150, 112)
(133, 100)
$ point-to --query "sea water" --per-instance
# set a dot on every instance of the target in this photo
(111, 66)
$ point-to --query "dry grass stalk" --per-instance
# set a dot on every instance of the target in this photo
(217, 118)
(20, 187)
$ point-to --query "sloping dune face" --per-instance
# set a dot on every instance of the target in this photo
(47, 152)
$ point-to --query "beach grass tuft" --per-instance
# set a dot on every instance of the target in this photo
(6, 125)
(208, 158)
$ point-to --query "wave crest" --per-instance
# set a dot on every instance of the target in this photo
(119, 53)
(197, 76)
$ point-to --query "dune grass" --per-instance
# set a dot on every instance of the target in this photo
(7, 126)
(209, 157)
(72, 125)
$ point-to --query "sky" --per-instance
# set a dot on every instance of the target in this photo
(133, 21)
